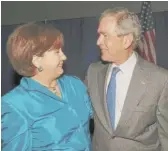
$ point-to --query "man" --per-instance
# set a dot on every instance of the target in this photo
(129, 95)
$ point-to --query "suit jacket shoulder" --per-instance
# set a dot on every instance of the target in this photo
(96, 67)
(156, 71)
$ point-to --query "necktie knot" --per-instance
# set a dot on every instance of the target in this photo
(115, 71)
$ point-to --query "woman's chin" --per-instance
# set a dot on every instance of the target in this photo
(60, 72)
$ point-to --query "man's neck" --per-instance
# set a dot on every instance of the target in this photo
(123, 58)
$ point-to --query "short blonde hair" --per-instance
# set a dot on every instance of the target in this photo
(28, 40)
(127, 22)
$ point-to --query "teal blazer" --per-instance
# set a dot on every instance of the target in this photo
(35, 119)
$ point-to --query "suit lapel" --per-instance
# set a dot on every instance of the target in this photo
(104, 99)
(135, 93)
(101, 90)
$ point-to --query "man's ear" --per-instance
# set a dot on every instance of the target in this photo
(127, 41)
(36, 61)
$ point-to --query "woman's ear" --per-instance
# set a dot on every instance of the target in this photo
(36, 61)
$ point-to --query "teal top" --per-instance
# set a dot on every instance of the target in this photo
(35, 119)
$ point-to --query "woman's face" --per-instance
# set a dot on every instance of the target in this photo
(52, 62)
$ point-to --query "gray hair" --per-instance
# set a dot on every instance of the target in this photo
(127, 22)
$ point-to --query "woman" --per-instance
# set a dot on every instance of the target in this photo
(46, 111)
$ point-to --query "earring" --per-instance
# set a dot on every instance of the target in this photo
(40, 69)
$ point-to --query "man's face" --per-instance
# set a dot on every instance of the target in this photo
(110, 44)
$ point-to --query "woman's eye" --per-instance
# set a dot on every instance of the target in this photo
(57, 51)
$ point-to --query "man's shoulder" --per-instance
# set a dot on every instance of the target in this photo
(97, 66)
(154, 67)
(155, 70)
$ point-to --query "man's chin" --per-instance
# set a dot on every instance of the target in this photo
(104, 58)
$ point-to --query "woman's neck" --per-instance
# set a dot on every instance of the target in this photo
(45, 81)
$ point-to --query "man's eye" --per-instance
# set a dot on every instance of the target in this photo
(105, 36)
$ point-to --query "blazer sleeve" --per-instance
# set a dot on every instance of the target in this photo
(15, 132)
(162, 116)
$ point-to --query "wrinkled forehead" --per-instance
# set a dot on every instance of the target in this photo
(106, 23)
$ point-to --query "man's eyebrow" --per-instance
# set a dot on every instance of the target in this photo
(103, 33)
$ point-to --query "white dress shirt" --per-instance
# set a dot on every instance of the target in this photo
(123, 79)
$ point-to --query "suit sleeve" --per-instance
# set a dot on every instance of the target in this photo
(86, 80)
(87, 96)
(15, 133)
(162, 116)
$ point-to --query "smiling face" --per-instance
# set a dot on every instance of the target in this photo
(114, 48)
(110, 44)
(52, 61)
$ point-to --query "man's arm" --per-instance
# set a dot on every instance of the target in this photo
(162, 116)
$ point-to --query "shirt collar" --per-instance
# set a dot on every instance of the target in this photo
(127, 65)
